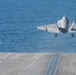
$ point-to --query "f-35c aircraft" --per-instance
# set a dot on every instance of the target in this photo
(64, 25)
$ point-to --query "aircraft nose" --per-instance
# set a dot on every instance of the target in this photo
(64, 17)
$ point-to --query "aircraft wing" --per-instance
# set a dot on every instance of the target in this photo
(49, 28)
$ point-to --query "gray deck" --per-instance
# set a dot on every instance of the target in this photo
(37, 64)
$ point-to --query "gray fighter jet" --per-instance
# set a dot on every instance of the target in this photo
(64, 25)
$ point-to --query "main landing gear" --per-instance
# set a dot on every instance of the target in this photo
(56, 34)
(72, 34)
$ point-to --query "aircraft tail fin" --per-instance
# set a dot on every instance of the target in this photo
(71, 26)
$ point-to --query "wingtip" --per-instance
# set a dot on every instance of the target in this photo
(38, 27)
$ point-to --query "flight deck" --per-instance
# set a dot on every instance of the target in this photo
(37, 64)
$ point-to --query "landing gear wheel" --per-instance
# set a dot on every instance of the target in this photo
(56, 34)
(72, 34)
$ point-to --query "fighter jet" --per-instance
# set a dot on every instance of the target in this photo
(64, 25)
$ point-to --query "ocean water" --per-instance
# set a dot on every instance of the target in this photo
(19, 20)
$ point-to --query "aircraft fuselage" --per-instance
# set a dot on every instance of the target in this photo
(63, 24)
